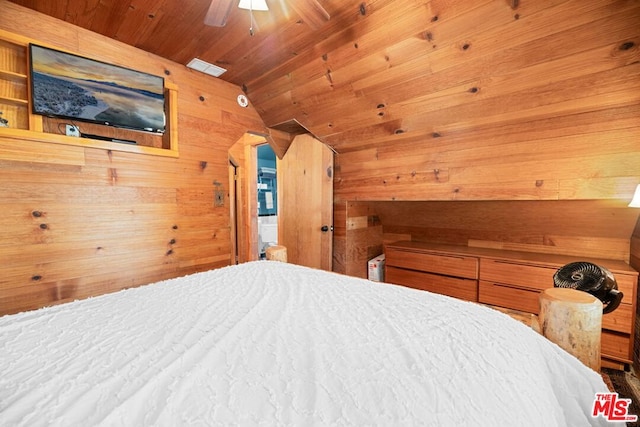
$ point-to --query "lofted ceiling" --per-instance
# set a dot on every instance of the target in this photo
(375, 71)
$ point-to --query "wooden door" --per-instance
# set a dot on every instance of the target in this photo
(305, 180)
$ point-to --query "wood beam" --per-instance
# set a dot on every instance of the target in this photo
(218, 13)
(311, 12)
(279, 141)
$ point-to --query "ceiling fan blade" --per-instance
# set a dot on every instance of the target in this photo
(218, 13)
(311, 12)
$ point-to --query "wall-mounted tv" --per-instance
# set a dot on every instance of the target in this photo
(68, 86)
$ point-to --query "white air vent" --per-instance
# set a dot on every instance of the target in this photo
(205, 67)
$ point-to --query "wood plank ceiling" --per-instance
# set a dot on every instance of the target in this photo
(381, 71)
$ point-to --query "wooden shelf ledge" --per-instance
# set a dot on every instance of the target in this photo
(21, 136)
(10, 75)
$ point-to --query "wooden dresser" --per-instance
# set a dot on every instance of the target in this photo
(511, 280)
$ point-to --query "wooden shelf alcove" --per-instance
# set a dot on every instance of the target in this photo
(23, 126)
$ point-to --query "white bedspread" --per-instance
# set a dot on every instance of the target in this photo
(268, 343)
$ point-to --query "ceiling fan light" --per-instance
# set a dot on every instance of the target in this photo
(253, 5)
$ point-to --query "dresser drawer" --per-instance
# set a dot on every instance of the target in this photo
(626, 285)
(516, 273)
(616, 346)
(509, 296)
(619, 319)
(450, 265)
(526, 299)
(466, 289)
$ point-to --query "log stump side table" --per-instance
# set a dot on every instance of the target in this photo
(276, 253)
(573, 320)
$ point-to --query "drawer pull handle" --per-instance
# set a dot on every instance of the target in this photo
(521, 264)
(400, 251)
(522, 288)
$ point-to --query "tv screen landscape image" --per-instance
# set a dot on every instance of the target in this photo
(73, 87)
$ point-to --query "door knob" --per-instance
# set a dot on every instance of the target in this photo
(326, 228)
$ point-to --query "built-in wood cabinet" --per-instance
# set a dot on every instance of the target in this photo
(513, 284)
(14, 103)
(440, 272)
(466, 289)
(22, 125)
(511, 280)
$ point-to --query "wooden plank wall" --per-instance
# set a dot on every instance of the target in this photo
(635, 247)
(544, 108)
(593, 228)
(634, 261)
(599, 228)
(83, 221)
(357, 237)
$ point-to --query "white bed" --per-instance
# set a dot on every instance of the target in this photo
(269, 343)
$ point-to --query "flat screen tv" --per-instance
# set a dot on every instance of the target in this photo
(72, 87)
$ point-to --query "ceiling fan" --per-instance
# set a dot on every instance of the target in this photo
(310, 11)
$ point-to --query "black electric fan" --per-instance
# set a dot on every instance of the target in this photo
(591, 278)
